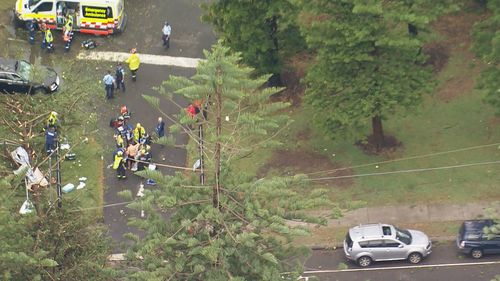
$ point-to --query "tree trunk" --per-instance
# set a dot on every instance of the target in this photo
(378, 132)
(218, 129)
(275, 79)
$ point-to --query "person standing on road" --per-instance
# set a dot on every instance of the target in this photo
(119, 165)
(109, 83)
(133, 63)
(160, 128)
(120, 77)
(139, 132)
(167, 30)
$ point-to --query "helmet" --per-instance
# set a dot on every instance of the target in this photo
(53, 113)
(119, 153)
(138, 125)
(120, 118)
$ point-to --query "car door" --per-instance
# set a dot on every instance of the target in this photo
(6, 85)
(496, 244)
(376, 249)
(491, 244)
(394, 249)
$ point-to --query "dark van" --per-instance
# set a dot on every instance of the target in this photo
(472, 239)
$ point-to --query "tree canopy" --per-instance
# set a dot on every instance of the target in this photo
(367, 66)
(487, 47)
(234, 227)
(265, 32)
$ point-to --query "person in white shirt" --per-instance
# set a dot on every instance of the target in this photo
(167, 30)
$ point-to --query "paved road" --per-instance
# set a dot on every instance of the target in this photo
(458, 267)
(189, 38)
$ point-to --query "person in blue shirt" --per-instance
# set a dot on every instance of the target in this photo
(32, 27)
(50, 139)
(120, 77)
(109, 84)
(160, 127)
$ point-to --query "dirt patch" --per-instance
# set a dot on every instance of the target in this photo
(295, 70)
(456, 32)
(438, 54)
(294, 162)
(391, 144)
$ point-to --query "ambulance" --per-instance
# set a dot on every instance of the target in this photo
(99, 17)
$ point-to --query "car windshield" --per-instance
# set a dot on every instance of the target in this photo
(24, 69)
(403, 235)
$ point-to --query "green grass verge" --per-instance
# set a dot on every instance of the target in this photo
(440, 124)
(76, 104)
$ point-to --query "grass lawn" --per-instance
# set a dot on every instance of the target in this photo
(76, 106)
(331, 236)
(454, 117)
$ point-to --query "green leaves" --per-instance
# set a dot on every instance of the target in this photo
(265, 32)
(487, 46)
(370, 67)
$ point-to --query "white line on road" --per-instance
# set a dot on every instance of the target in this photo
(401, 267)
(145, 58)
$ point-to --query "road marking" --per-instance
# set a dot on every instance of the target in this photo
(145, 58)
(401, 267)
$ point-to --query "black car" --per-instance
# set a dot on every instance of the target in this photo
(19, 76)
(472, 240)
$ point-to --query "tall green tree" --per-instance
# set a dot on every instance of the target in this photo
(234, 227)
(265, 32)
(487, 46)
(55, 245)
(367, 65)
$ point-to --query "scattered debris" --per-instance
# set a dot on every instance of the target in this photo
(27, 207)
(196, 165)
(68, 188)
(81, 185)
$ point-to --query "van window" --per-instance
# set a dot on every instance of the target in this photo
(371, 244)
(391, 243)
(33, 2)
(44, 7)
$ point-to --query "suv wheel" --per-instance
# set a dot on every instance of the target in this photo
(476, 253)
(415, 258)
(364, 261)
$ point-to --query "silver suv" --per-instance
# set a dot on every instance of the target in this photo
(384, 242)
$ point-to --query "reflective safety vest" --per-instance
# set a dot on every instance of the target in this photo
(133, 62)
(119, 141)
(48, 36)
(117, 162)
(52, 120)
(139, 133)
(69, 24)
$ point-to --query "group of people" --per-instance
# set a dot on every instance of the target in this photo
(118, 81)
(133, 144)
(48, 38)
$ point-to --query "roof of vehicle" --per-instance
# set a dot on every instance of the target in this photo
(365, 231)
(476, 225)
(8, 64)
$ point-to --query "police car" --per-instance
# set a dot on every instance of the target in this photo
(19, 76)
